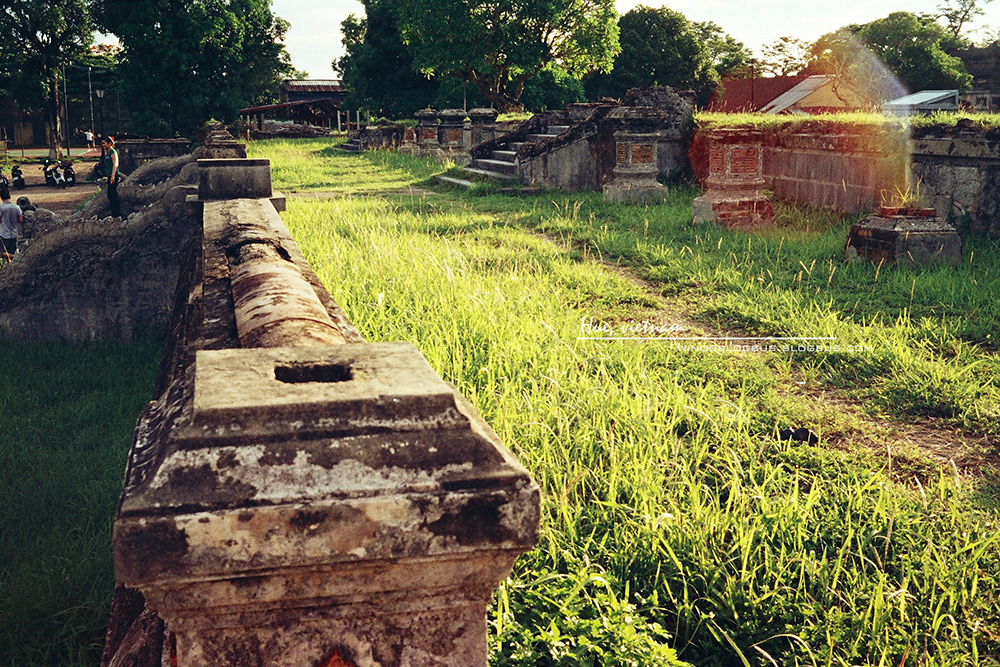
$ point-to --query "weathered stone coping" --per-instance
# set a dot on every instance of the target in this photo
(308, 502)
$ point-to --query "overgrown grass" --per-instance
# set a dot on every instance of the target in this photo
(310, 167)
(68, 416)
(712, 120)
(669, 505)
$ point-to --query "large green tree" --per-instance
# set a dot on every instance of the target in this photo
(870, 59)
(726, 54)
(660, 47)
(499, 45)
(958, 14)
(37, 39)
(378, 68)
(784, 56)
(186, 61)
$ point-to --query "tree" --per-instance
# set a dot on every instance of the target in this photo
(958, 13)
(38, 38)
(873, 58)
(553, 88)
(186, 61)
(378, 68)
(659, 48)
(785, 56)
(498, 45)
(725, 54)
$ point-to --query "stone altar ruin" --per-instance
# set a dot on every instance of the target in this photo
(891, 237)
(577, 148)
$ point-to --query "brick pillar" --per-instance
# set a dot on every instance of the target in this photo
(484, 125)
(734, 190)
(450, 128)
(634, 176)
(427, 129)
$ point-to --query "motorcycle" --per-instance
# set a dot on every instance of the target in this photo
(60, 174)
(3, 180)
(17, 178)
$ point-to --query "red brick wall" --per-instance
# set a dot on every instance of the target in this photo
(837, 166)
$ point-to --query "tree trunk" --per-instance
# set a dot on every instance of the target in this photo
(53, 112)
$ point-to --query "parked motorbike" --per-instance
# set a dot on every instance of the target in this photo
(17, 178)
(59, 174)
(3, 180)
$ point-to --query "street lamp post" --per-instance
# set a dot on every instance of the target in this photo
(90, 88)
(100, 102)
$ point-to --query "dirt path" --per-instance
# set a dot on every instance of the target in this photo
(911, 450)
(62, 201)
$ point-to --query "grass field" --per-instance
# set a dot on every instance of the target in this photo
(68, 416)
(677, 524)
(671, 507)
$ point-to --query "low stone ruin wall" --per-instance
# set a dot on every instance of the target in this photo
(137, 151)
(295, 496)
(856, 168)
(958, 172)
(378, 136)
(94, 277)
(832, 165)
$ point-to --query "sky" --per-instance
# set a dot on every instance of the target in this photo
(314, 36)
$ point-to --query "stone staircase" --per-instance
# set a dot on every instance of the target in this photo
(352, 145)
(502, 160)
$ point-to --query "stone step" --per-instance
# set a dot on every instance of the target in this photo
(558, 129)
(455, 181)
(503, 156)
(541, 137)
(515, 146)
(485, 173)
(500, 166)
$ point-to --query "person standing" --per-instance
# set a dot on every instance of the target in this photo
(89, 136)
(111, 169)
(10, 219)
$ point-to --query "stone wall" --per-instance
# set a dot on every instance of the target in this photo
(295, 496)
(845, 170)
(137, 151)
(94, 277)
(834, 165)
(569, 166)
(853, 168)
(959, 175)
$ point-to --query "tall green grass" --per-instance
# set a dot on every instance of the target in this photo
(309, 166)
(671, 509)
(68, 416)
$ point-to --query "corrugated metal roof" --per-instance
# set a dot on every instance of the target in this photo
(314, 85)
(800, 91)
(923, 97)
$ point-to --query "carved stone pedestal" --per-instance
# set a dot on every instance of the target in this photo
(634, 176)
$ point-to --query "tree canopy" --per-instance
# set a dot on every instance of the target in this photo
(909, 46)
(185, 61)
(784, 56)
(37, 38)
(378, 68)
(726, 55)
(660, 47)
(498, 45)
